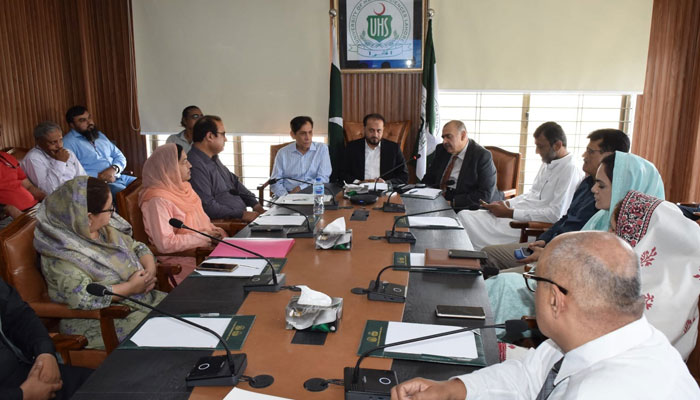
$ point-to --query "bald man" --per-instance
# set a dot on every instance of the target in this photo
(588, 301)
(462, 169)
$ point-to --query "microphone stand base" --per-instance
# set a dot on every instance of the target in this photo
(387, 292)
(256, 284)
(215, 371)
(373, 384)
(393, 207)
(400, 237)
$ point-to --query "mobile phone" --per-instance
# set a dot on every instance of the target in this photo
(480, 255)
(522, 252)
(460, 312)
(217, 267)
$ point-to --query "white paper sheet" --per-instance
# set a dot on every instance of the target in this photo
(301, 199)
(246, 267)
(380, 185)
(285, 220)
(433, 221)
(424, 193)
(169, 332)
(417, 259)
(460, 345)
(240, 394)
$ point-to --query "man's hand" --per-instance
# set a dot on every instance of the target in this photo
(499, 209)
(258, 208)
(424, 389)
(50, 372)
(13, 211)
(295, 190)
(249, 216)
(537, 248)
(34, 387)
(38, 194)
(61, 154)
(108, 175)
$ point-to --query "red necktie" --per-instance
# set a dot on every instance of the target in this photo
(448, 172)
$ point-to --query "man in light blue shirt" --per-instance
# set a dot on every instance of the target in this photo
(303, 160)
(98, 155)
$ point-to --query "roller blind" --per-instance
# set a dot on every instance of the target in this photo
(255, 63)
(530, 45)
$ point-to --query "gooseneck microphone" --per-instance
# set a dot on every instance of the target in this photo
(393, 236)
(254, 285)
(387, 173)
(208, 371)
(308, 233)
(366, 384)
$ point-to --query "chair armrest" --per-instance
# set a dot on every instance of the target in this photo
(518, 224)
(231, 226)
(261, 192)
(165, 274)
(65, 343)
(530, 225)
(58, 310)
(694, 205)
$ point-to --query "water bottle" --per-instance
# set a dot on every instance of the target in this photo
(318, 197)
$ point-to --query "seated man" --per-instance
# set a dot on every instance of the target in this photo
(303, 160)
(602, 143)
(589, 303)
(48, 165)
(222, 194)
(190, 115)
(549, 197)
(100, 158)
(373, 157)
(28, 367)
(463, 169)
(17, 193)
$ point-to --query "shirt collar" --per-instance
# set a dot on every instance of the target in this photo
(367, 148)
(463, 152)
(604, 347)
(561, 161)
(311, 148)
(200, 154)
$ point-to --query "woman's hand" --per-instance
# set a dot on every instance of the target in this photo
(141, 282)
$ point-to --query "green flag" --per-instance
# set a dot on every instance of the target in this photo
(430, 118)
(336, 142)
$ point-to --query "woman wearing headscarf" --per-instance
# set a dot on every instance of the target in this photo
(618, 174)
(668, 247)
(82, 241)
(165, 194)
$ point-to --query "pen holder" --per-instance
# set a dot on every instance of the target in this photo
(334, 241)
(302, 316)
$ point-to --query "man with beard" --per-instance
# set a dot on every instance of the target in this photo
(463, 169)
(370, 158)
(98, 155)
(547, 200)
(48, 165)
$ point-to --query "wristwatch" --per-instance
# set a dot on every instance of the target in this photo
(116, 168)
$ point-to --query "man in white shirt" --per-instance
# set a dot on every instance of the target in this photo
(588, 300)
(48, 165)
(547, 200)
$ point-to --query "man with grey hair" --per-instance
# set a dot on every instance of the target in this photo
(48, 165)
(588, 300)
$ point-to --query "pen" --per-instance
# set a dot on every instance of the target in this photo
(412, 191)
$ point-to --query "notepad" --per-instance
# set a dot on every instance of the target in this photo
(423, 193)
(240, 394)
(169, 332)
(460, 345)
(442, 222)
(278, 248)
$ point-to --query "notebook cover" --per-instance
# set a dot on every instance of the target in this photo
(276, 248)
(439, 258)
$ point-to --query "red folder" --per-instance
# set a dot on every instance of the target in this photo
(274, 248)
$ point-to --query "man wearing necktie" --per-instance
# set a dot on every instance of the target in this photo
(463, 169)
(589, 303)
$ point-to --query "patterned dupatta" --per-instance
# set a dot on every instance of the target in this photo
(668, 247)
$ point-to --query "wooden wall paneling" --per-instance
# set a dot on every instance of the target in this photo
(668, 115)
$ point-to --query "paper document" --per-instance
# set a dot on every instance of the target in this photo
(417, 259)
(284, 220)
(301, 199)
(240, 394)
(450, 222)
(380, 185)
(169, 332)
(246, 267)
(460, 345)
(423, 193)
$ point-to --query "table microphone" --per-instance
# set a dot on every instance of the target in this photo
(208, 371)
(393, 236)
(332, 206)
(376, 384)
(385, 291)
(308, 233)
(254, 284)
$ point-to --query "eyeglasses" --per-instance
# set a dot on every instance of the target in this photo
(109, 210)
(531, 282)
(220, 133)
(593, 151)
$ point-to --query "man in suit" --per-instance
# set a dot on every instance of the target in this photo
(372, 157)
(463, 169)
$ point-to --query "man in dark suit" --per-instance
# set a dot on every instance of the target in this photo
(370, 158)
(462, 169)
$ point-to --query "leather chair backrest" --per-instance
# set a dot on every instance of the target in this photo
(16, 152)
(128, 208)
(394, 131)
(273, 153)
(507, 167)
(20, 262)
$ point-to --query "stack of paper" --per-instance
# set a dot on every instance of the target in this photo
(460, 345)
(301, 199)
(169, 332)
(423, 193)
(433, 222)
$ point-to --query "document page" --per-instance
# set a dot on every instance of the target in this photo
(417, 259)
(434, 221)
(246, 267)
(301, 199)
(240, 394)
(460, 345)
(380, 185)
(423, 193)
(169, 332)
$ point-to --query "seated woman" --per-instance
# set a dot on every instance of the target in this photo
(166, 193)
(78, 246)
(667, 246)
(618, 174)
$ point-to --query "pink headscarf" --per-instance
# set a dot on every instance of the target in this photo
(161, 178)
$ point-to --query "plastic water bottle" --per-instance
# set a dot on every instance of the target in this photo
(318, 197)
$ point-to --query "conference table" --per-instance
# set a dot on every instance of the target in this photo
(160, 373)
